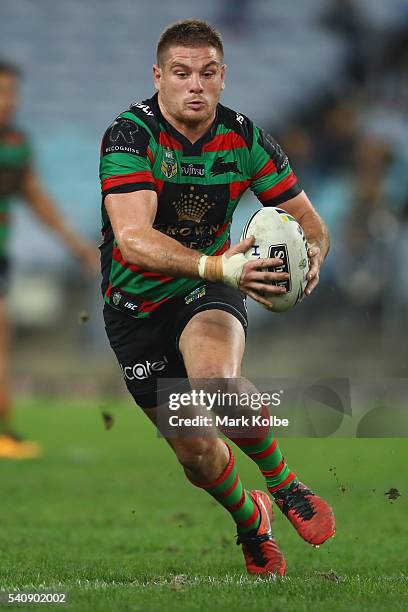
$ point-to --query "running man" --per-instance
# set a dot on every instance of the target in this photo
(18, 178)
(173, 169)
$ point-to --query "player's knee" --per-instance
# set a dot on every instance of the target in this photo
(194, 453)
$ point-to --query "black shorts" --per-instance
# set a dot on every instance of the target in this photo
(4, 275)
(147, 349)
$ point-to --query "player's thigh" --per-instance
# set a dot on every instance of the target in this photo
(145, 353)
(212, 345)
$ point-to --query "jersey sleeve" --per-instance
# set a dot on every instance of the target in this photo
(126, 158)
(272, 181)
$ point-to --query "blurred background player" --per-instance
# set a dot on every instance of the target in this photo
(17, 177)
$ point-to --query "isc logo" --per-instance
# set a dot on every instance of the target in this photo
(280, 251)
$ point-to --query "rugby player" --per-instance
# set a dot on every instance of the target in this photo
(18, 178)
(173, 169)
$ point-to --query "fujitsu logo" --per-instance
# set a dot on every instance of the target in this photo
(192, 169)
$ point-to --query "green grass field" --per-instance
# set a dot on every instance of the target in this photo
(108, 517)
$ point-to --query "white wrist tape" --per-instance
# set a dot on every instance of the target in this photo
(201, 265)
(219, 268)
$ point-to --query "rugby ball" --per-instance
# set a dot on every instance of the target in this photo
(279, 235)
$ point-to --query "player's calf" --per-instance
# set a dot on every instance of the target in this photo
(203, 459)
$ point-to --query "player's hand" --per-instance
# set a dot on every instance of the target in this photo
(315, 261)
(256, 280)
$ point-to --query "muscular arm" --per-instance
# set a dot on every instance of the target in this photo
(313, 225)
(316, 233)
(43, 206)
(132, 215)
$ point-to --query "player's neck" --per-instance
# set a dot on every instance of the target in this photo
(191, 131)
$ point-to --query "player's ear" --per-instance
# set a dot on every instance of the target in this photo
(223, 69)
(156, 76)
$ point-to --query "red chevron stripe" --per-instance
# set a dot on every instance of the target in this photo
(222, 229)
(117, 256)
(225, 142)
(237, 188)
(169, 142)
(148, 306)
(159, 185)
(278, 189)
(123, 179)
(268, 168)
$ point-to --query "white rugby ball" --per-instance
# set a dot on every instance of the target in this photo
(279, 235)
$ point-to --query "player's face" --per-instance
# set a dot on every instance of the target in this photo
(190, 83)
(8, 98)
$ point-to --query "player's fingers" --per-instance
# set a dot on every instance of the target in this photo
(266, 288)
(258, 298)
(268, 262)
(312, 284)
(313, 270)
(266, 277)
(241, 247)
(313, 250)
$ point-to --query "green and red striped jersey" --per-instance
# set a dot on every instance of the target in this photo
(198, 188)
(15, 159)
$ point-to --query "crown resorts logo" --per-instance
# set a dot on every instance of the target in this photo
(192, 207)
(169, 164)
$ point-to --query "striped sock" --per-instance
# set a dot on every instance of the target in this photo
(265, 452)
(230, 493)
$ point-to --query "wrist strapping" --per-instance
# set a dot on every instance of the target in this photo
(220, 269)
